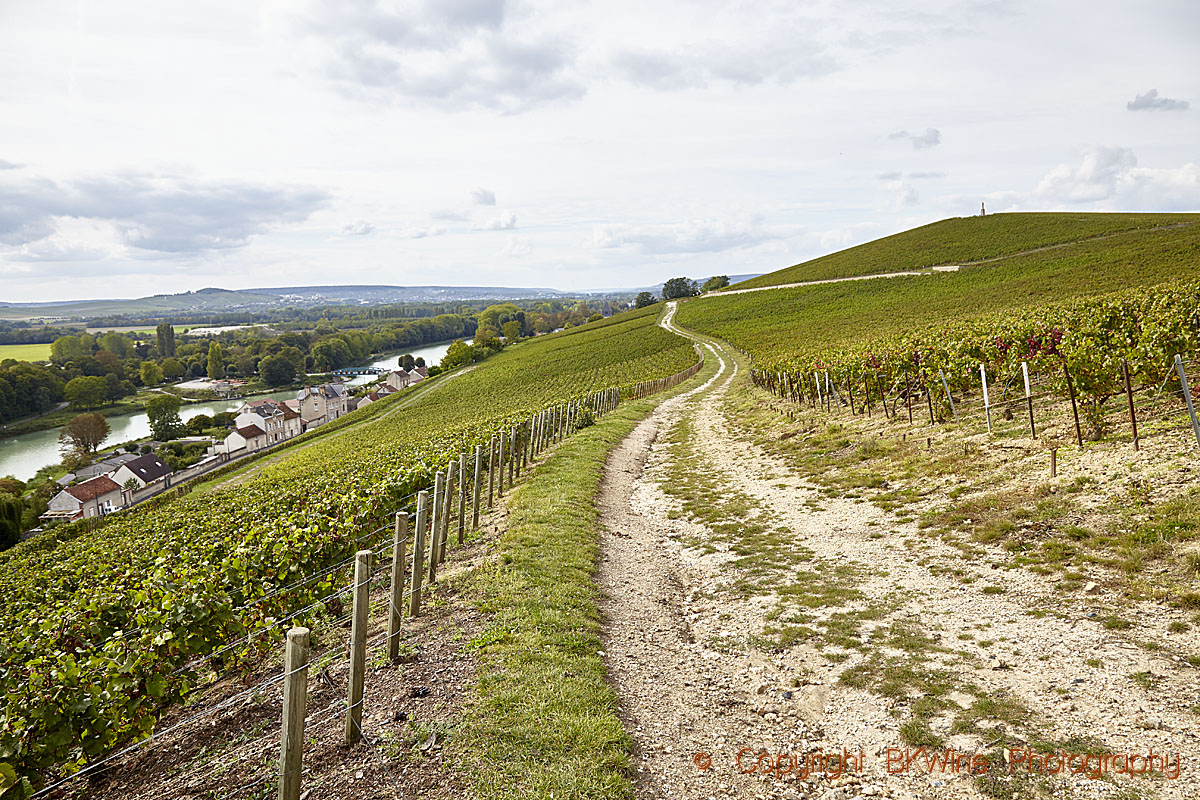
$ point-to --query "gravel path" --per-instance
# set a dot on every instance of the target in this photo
(1000, 635)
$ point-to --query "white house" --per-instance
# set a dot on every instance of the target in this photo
(321, 404)
(92, 498)
(274, 419)
(143, 469)
(243, 439)
(397, 379)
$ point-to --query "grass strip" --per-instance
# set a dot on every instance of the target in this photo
(544, 722)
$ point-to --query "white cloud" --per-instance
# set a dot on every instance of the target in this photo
(1109, 177)
(691, 236)
(360, 228)
(1150, 101)
(483, 197)
(168, 214)
(517, 247)
(504, 221)
(932, 137)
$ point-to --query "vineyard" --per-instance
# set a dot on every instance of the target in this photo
(967, 240)
(102, 630)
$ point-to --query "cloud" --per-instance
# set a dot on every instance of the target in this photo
(504, 221)
(1109, 177)
(778, 59)
(457, 53)
(9, 164)
(154, 213)
(932, 137)
(450, 215)
(483, 197)
(914, 176)
(1150, 101)
(691, 236)
(360, 228)
(517, 247)
(418, 232)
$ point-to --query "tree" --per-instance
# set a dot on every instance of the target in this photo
(152, 374)
(84, 433)
(457, 354)
(216, 364)
(276, 370)
(595, 317)
(679, 287)
(198, 424)
(118, 345)
(67, 348)
(511, 330)
(163, 411)
(86, 392)
(11, 509)
(166, 340)
(644, 299)
(407, 362)
(714, 283)
(172, 368)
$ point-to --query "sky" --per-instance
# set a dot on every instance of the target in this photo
(150, 147)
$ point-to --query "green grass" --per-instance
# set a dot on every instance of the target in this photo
(963, 240)
(544, 721)
(786, 321)
(25, 352)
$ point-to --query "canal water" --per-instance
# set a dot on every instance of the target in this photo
(22, 456)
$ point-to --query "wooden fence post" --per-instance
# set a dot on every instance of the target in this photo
(1129, 396)
(418, 562)
(502, 457)
(399, 546)
(950, 397)
(1053, 462)
(295, 702)
(448, 499)
(850, 394)
(435, 523)
(513, 455)
(475, 485)
(1074, 406)
(929, 402)
(987, 405)
(908, 396)
(462, 496)
(1028, 398)
(1187, 396)
(817, 383)
(358, 645)
(491, 469)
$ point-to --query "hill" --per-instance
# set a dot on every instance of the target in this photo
(1109, 252)
(968, 240)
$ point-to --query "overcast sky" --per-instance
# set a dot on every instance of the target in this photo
(158, 147)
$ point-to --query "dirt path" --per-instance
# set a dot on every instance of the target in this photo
(745, 613)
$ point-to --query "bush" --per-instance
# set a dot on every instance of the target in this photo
(584, 419)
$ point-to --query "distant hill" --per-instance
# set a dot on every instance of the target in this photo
(968, 240)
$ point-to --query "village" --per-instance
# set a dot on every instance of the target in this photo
(124, 479)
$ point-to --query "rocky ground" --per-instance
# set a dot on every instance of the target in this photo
(770, 638)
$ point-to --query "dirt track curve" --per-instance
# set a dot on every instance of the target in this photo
(689, 606)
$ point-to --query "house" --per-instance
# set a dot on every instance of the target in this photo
(276, 420)
(321, 404)
(104, 466)
(397, 379)
(372, 397)
(92, 498)
(422, 371)
(243, 439)
(142, 470)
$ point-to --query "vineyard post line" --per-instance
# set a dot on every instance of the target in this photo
(1187, 397)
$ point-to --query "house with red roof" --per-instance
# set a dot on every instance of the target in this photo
(92, 498)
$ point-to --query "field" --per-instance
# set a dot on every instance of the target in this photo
(966, 240)
(93, 615)
(25, 352)
(804, 321)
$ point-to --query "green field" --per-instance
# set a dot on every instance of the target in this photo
(965, 240)
(25, 352)
(173, 577)
(805, 321)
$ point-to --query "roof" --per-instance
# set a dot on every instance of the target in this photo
(148, 467)
(251, 431)
(90, 490)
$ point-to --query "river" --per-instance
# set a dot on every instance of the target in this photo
(22, 456)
